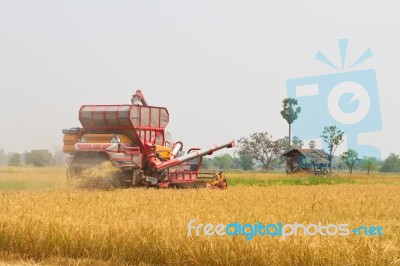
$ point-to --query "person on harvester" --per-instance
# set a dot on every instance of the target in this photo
(220, 179)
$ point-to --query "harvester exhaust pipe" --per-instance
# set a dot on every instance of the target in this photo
(193, 155)
(177, 148)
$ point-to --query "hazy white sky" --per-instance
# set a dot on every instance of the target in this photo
(220, 67)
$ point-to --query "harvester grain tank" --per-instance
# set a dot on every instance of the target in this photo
(133, 138)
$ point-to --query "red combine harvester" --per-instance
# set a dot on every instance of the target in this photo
(133, 138)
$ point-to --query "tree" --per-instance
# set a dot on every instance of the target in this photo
(369, 164)
(223, 161)
(39, 158)
(15, 160)
(261, 148)
(333, 137)
(290, 113)
(350, 157)
(207, 163)
(296, 143)
(246, 162)
(236, 163)
(391, 163)
(312, 144)
(278, 163)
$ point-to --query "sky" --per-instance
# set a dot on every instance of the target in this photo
(220, 67)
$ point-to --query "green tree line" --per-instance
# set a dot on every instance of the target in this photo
(37, 158)
(242, 161)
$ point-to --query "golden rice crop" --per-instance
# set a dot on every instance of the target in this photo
(150, 226)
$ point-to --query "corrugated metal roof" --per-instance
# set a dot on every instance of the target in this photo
(307, 152)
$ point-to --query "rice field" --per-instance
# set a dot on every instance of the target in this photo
(44, 220)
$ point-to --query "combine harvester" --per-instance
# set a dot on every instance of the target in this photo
(133, 138)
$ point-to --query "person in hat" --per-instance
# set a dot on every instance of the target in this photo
(220, 180)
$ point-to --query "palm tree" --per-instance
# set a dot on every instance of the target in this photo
(290, 113)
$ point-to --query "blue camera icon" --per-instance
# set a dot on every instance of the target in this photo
(349, 100)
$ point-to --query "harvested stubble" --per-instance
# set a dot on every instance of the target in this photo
(104, 176)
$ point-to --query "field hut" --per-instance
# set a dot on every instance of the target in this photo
(306, 160)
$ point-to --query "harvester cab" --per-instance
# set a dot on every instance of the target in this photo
(133, 138)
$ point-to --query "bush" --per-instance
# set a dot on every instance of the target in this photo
(15, 160)
(391, 164)
(39, 158)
